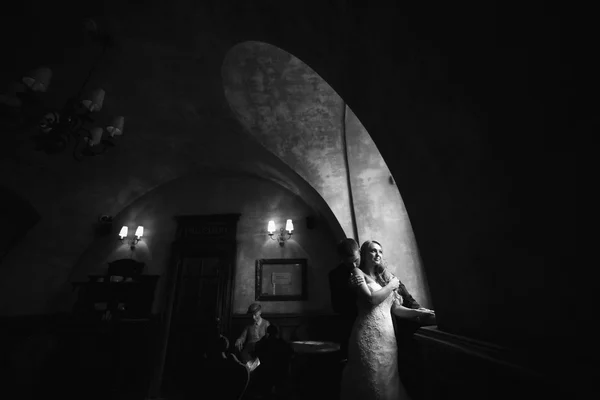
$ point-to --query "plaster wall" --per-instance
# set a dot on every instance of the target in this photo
(380, 211)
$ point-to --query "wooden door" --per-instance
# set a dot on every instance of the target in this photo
(199, 293)
(198, 307)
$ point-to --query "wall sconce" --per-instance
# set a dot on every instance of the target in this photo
(281, 238)
(139, 232)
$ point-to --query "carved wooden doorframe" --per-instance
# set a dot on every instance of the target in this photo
(197, 235)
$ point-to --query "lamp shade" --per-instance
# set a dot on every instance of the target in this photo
(139, 232)
(39, 79)
(123, 232)
(271, 227)
(116, 126)
(289, 226)
(95, 100)
(95, 136)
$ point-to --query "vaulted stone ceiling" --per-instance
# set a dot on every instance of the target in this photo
(288, 108)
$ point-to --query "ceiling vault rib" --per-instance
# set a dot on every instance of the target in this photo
(349, 180)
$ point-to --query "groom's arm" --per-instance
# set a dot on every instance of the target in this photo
(407, 300)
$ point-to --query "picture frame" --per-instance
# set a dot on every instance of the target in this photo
(281, 279)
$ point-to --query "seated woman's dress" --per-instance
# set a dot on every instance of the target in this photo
(372, 369)
(251, 335)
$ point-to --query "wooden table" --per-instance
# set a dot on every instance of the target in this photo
(313, 368)
(312, 347)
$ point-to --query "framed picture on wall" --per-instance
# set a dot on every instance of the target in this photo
(281, 279)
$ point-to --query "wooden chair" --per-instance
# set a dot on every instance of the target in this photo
(227, 376)
(231, 379)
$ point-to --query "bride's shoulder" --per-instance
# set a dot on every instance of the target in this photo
(358, 271)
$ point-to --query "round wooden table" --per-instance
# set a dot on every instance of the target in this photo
(312, 347)
(315, 368)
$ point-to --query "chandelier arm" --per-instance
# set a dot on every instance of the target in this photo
(94, 65)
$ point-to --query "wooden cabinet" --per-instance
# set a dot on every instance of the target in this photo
(112, 337)
(123, 292)
(130, 300)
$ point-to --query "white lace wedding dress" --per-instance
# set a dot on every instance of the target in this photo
(371, 372)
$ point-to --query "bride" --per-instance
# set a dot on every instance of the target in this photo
(372, 369)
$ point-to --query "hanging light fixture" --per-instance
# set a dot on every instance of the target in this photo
(58, 128)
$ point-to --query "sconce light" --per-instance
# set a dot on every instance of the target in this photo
(123, 232)
(139, 232)
(281, 238)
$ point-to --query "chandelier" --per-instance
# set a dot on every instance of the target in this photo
(72, 126)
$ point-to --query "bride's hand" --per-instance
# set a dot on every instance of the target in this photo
(426, 317)
(394, 283)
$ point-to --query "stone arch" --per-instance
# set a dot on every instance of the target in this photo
(291, 111)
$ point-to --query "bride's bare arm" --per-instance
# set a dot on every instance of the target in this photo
(380, 295)
(403, 312)
(372, 297)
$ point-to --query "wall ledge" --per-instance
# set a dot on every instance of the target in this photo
(501, 356)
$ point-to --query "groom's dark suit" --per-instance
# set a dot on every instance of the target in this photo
(343, 301)
(405, 328)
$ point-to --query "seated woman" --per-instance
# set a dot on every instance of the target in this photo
(251, 335)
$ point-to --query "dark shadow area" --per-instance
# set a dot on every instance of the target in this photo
(18, 216)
